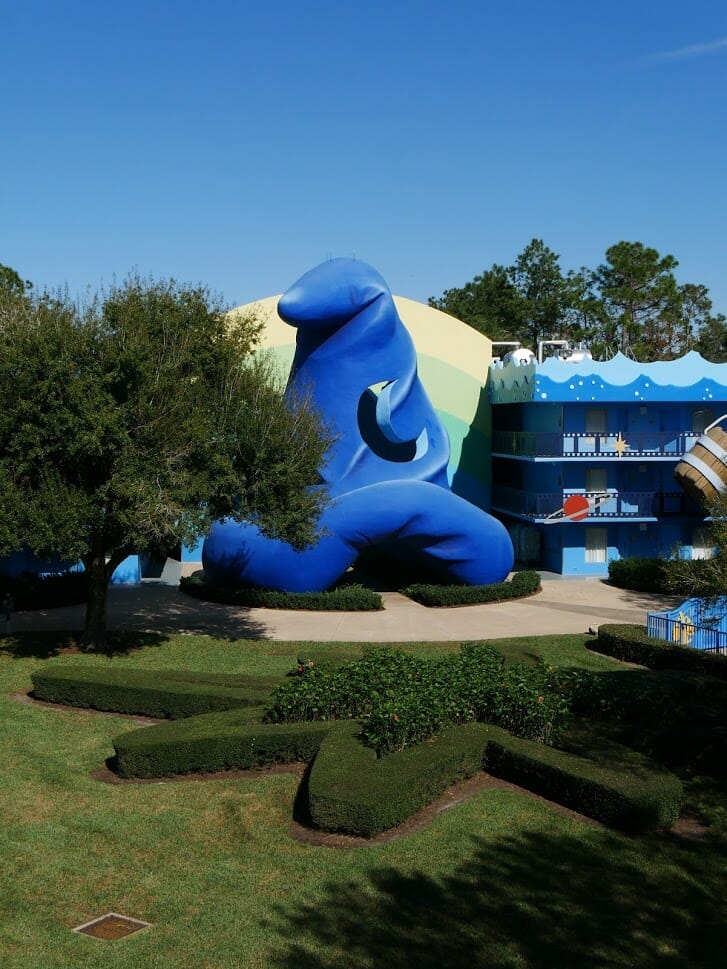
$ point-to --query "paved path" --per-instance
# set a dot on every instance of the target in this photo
(564, 606)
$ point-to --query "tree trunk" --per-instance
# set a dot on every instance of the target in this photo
(94, 630)
(99, 572)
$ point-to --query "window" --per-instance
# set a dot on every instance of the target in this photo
(596, 479)
(596, 420)
(701, 418)
(596, 424)
(596, 545)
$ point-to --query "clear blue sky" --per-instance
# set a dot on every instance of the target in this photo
(239, 144)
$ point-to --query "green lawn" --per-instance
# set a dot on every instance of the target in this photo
(499, 881)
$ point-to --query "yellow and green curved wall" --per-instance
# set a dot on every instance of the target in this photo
(453, 361)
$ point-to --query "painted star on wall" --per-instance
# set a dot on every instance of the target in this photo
(620, 445)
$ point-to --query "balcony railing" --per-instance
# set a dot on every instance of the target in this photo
(603, 505)
(553, 444)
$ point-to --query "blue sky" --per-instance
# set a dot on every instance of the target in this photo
(239, 144)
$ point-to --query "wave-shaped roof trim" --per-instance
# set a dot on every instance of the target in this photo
(690, 378)
(620, 370)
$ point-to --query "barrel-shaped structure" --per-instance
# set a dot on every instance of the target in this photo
(702, 472)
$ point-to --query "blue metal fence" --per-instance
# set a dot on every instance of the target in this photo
(699, 623)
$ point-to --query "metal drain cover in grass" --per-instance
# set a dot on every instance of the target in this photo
(111, 926)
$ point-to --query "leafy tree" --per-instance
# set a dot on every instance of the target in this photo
(546, 293)
(702, 331)
(632, 303)
(12, 283)
(639, 302)
(693, 310)
(528, 301)
(490, 303)
(637, 306)
(712, 342)
(716, 566)
(583, 309)
(705, 577)
(137, 419)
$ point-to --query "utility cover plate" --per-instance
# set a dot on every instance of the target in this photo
(111, 926)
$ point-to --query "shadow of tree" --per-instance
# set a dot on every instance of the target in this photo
(45, 644)
(164, 609)
(150, 608)
(648, 601)
(528, 900)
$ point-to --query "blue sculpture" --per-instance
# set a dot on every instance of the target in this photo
(386, 472)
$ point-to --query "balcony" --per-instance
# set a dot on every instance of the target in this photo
(548, 445)
(610, 505)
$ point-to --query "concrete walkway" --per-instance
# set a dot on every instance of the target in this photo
(564, 606)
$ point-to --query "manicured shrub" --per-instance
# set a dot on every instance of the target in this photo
(234, 739)
(659, 576)
(522, 584)
(353, 791)
(630, 643)
(640, 800)
(345, 598)
(152, 693)
(403, 700)
(639, 574)
(320, 692)
(31, 591)
(640, 696)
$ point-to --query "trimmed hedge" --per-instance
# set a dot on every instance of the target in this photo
(350, 789)
(639, 574)
(660, 576)
(641, 800)
(353, 791)
(522, 584)
(639, 697)
(234, 739)
(346, 598)
(153, 693)
(630, 643)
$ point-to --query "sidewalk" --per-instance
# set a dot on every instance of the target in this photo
(563, 606)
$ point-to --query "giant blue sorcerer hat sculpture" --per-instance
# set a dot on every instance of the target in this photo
(386, 473)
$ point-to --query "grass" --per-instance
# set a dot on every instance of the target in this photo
(499, 881)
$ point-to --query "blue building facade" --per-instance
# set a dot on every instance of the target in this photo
(584, 454)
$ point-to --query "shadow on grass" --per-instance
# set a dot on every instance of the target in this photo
(678, 718)
(526, 900)
(46, 644)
